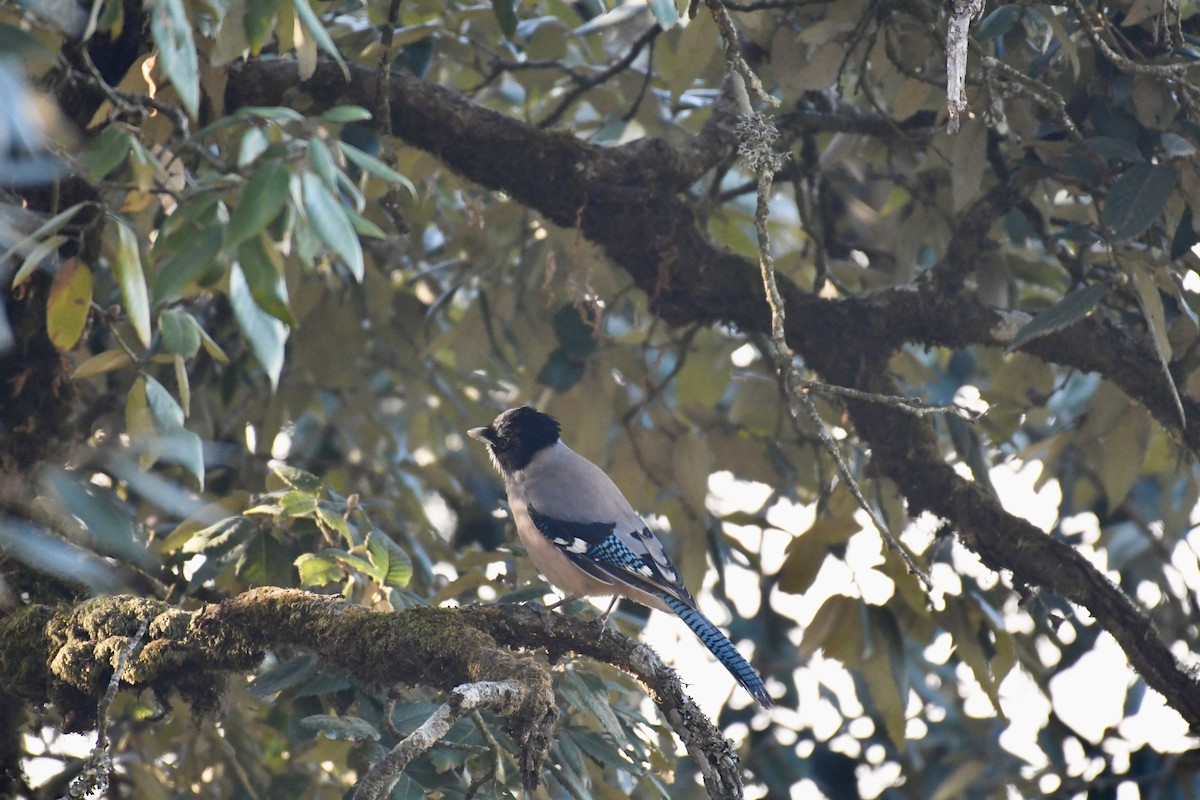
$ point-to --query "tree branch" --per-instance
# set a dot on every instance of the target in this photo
(626, 200)
(67, 656)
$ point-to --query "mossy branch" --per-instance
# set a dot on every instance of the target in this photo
(66, 655)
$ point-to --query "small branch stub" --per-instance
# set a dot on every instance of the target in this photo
(965, 11)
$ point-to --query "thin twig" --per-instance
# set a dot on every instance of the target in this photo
(757, 143)
(493, 751)
(588, 83)
(97, 769)
(912, 405)
(733, 53)
(499, 696)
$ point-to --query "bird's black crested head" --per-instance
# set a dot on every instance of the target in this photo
(516, 436)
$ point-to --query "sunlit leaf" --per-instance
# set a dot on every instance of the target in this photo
(328, 218)
(341, 114)
(69, 303)
(127, 264)
(394, 565)
(172, 31)
(299, 479)
(265, 334)
(318, 570)
(36, 256)
(102, 363)
(314, 28)
(1152, 307)
(370, 164)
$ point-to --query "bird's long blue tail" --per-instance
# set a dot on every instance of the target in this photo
(723, 649)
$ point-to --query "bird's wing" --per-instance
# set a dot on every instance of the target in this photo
(626, 551)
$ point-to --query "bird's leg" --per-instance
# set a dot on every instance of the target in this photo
(566, 599)
(603, 619)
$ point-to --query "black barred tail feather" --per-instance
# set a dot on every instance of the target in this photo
(723, 649)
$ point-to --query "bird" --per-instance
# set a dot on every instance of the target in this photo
(585, 537)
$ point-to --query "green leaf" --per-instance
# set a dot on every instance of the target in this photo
(43, 231)
(128, 267)
(364, 226)
(1114, 149)
(260, 18)
(69, 303)
(217, 535)
(312, 24)
(113, 529)
(183, 383)
(264, 278)
(1152, 308)
(806, 552)
(101, 363)
(180, 332)
(107, 151)
(188, 263)
(265, 334)
(1136, 199)
(879, 674)
(340, 114)
(394, 565)
(336, 523)
(369, 164)
(212, 348)
(19, 44)
(357, 563)
(35, 258)
(328, 218)
(176, 443)
(322, 162)
(261, 202)
(112, 19)
(264, 561)
(506, 15)
(318, 570)
(277, 114)
(1072, 308)
(172, 32)
(297, 478)
(254, 143)
(284, 676)
(665, 13)
(351, 729)
(295, 504)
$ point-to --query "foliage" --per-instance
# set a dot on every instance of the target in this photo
(264, 264)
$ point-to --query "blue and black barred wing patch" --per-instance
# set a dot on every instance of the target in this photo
(574, 539)
(598, 548)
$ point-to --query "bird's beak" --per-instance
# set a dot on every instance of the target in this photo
(478, 433)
